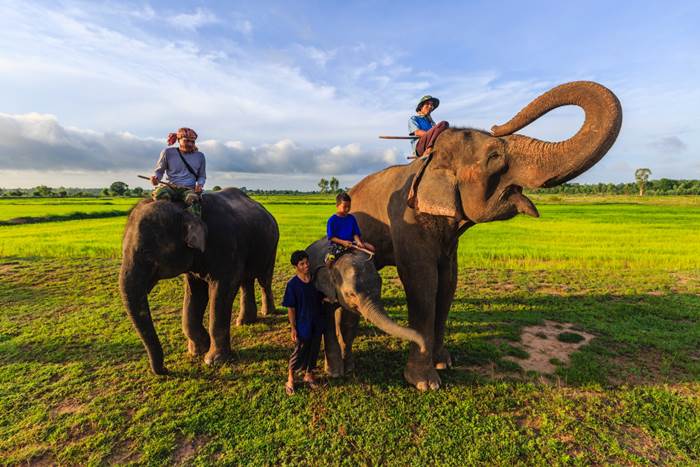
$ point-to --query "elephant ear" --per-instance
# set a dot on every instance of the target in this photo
(195, 232)
(436, 190)
(324, 283)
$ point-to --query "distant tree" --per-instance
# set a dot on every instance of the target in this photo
(216, 188)
(104, 192)
(642, 176)
(137, 191)
(118, 188)
(127, 192)
(323, 185)
(333, 184)
(79, 194)
(43, 191)
(16, 192)
(62, 193)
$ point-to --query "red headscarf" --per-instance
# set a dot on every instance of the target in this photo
(182, 133)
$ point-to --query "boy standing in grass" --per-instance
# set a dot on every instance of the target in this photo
(303, 303)
(342, 230)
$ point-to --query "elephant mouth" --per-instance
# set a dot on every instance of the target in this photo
(513, 194)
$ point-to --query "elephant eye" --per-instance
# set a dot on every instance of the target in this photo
(495, 161)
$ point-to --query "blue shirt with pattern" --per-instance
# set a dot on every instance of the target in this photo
(419, 122)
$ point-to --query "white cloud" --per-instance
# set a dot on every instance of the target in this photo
(35, 140)
(243, 26)
(193, 21)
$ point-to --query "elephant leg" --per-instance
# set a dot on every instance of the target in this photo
(347, 331)
(331, 346)
(249, 311)
(419, 276)
(221, 296)
(193, 307)
(268, 301)
(447, 283)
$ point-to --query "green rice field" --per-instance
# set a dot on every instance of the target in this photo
(75, 387)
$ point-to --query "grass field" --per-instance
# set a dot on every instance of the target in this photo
(75, 386)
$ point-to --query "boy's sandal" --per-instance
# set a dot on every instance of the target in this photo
(289, 389)
(311, 384)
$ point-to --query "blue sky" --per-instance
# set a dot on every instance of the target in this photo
(283, 93)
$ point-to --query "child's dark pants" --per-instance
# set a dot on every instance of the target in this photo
(305, 354)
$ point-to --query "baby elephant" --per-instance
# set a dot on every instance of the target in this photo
(354, 286)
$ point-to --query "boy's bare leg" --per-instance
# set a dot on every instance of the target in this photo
(289, 387)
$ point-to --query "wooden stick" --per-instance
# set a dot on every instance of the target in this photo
(364, 250)
(171, 185)
(399, 137)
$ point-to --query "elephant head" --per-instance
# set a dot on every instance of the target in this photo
(479, 176)
(355, 283)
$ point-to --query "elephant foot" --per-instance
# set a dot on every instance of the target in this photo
(442, 359)
(197, 349)
(159, 369)
(423, 377)
(244, 319)
(267, 310)
(216, 357)
(334, 368)
(349, 364)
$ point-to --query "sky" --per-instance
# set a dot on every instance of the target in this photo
(284, 93)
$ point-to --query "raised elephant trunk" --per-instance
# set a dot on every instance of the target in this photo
(536, 163)
(375, 314)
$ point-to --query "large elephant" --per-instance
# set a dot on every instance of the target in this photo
(473, 176)
(353, 288)
(234, 245)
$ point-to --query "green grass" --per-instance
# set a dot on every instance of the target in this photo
(75, 386)
(43, 207)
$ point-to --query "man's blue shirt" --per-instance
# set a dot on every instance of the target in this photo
(419, 122)
(306, 301)
(344, 228)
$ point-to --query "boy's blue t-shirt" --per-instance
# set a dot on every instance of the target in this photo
(419, 122)
(344, 228)
(306, 301)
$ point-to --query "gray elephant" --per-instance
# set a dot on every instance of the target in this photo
(353, 286)
(472, 176)
(234, 245)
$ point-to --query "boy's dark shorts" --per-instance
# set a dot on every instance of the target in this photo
(305, 354)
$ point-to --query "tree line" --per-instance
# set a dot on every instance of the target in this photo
(642, 186)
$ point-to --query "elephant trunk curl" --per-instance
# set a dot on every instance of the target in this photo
(134, 291)
(537, 163)
(375, 314)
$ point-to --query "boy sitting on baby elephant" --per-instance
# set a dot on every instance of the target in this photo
(342, 230)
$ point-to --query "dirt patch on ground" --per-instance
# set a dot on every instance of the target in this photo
(67, 407)
(188, 449)
(542, 344)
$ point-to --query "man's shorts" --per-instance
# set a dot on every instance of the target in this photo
(188, 195)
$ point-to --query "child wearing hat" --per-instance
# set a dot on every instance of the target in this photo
(423, 126)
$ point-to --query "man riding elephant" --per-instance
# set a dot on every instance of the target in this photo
(186, 169)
